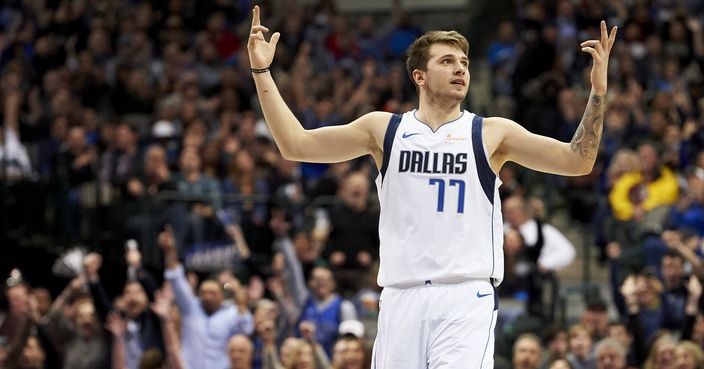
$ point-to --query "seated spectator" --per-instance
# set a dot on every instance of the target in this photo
(581, 354)
(689, 210)
(689, 356)
(240, 352)
(527, 352)
(610, 354)
(636, 194)
(662, 353)
(556, 345)
(349, 353)
(595, 318)
(634, 345)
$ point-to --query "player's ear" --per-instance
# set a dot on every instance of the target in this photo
(418, 77)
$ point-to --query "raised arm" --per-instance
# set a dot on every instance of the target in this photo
(174, 273)
(514, 143)
(325, 145)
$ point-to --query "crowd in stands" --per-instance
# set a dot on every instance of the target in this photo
(136, 123)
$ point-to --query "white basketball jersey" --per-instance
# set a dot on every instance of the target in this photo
(440, 209)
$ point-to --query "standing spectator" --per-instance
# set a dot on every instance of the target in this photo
(353, 242)
(325, 308)
(207, 323)
(191, 182)
(142, 329)
(14, 161)
(79, 338)
(119, 163)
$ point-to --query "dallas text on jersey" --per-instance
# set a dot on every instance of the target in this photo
(432, 162)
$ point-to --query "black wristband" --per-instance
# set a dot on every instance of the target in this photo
(256, 70)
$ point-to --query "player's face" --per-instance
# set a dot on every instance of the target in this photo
(447, 73)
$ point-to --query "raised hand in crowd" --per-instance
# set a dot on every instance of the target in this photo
(91, 266)
(694, 293)
(167, 243)
(629, 290)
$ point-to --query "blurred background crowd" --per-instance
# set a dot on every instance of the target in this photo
(148, 221)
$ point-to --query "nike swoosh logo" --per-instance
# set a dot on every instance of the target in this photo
(480, 295)
(406, 134)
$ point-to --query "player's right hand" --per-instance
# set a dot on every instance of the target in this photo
(261, 52)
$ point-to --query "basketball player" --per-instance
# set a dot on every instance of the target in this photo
(440, 225)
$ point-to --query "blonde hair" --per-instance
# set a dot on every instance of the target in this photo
(417, 55)
(695, 351)
(662, 341)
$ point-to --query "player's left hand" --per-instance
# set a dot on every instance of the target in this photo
(261, 51)
(600, 51)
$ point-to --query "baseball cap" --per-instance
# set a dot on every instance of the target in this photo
(352, 327)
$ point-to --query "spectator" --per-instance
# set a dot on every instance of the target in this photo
(349, 353)
(596, 319)
(546, 248)
(610, 354)
(80, 339)
(240, 352)
(325, 309)
(662, 353)
(191, 182)
(581, 354)
(556, 345)
(207, 324)
(353, 242)
(633, 345)
(119, 163)
(13, 155)
(689, 356)
(527, 352)
(636, 194)
(137, 327)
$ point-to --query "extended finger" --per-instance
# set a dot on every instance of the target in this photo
(604, 33)
(275, 38)
(612, 37)
(255, 16)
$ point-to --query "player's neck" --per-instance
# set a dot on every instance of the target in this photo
(436, 115)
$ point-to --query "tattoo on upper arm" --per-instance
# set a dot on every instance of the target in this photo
(586, 138)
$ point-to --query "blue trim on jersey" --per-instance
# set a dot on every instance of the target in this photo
(486, 176)
(496, 297)
(389, 142)
(493, 256)
(491, 323)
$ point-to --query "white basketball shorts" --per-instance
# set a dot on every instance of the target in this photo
(436, 326)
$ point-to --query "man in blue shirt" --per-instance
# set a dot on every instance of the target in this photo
(207, 321)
